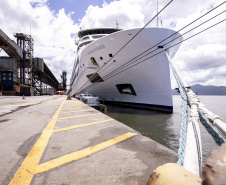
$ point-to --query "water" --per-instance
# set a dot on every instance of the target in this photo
(165, 128)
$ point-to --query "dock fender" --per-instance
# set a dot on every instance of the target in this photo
(173, 174)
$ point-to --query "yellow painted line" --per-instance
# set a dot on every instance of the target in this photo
(77, 111)
(71, 107)
(79, 116)
(83, 125)
(25, 173)
(75, 107)
(73, 103)
(81, 154)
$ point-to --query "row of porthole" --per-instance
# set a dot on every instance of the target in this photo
(110, 55)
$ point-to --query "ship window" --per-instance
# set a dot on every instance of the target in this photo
(84, 44)
(77, 72)
(97, 36)
(94, 78)
(101, 58)
(85, 38)
(110, 55)
(93, 61)
(126, 89)
(160, 47)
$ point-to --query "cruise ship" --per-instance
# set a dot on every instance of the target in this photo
(126, 67)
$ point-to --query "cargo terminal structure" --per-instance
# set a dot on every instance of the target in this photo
(21, 73)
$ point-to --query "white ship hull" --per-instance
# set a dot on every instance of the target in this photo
(119, 78)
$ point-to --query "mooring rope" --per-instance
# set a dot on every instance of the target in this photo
(183, 132)
(192, 160)
(212, 131)
(199, 150)
(184, 115)
(193, 148)
(209, 120)
(187, 158)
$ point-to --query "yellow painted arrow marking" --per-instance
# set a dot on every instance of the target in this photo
(30, 166)
(23, 176)
(77, 111)
(79, 116)
(83, 125)
(81, 154)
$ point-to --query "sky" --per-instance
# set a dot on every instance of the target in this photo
(54, 24)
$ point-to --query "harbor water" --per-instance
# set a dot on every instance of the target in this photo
(165, 128)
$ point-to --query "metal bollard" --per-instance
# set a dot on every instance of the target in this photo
(104, 108)
(173, 174)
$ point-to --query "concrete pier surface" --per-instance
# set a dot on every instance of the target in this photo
(64, 142)
(9, 104)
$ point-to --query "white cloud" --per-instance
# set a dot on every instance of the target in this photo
(199, 60)
(203, 55)
(198, 56)
(52, 31)
(127, 13)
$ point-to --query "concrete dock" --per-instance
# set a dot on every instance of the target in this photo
(51, 140)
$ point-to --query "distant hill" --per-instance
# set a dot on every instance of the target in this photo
(206, 90)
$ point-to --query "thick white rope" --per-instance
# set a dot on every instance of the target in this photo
(193, 151)
(214, 119)
(192, 156)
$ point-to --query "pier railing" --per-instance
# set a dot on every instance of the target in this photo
(190, 149)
